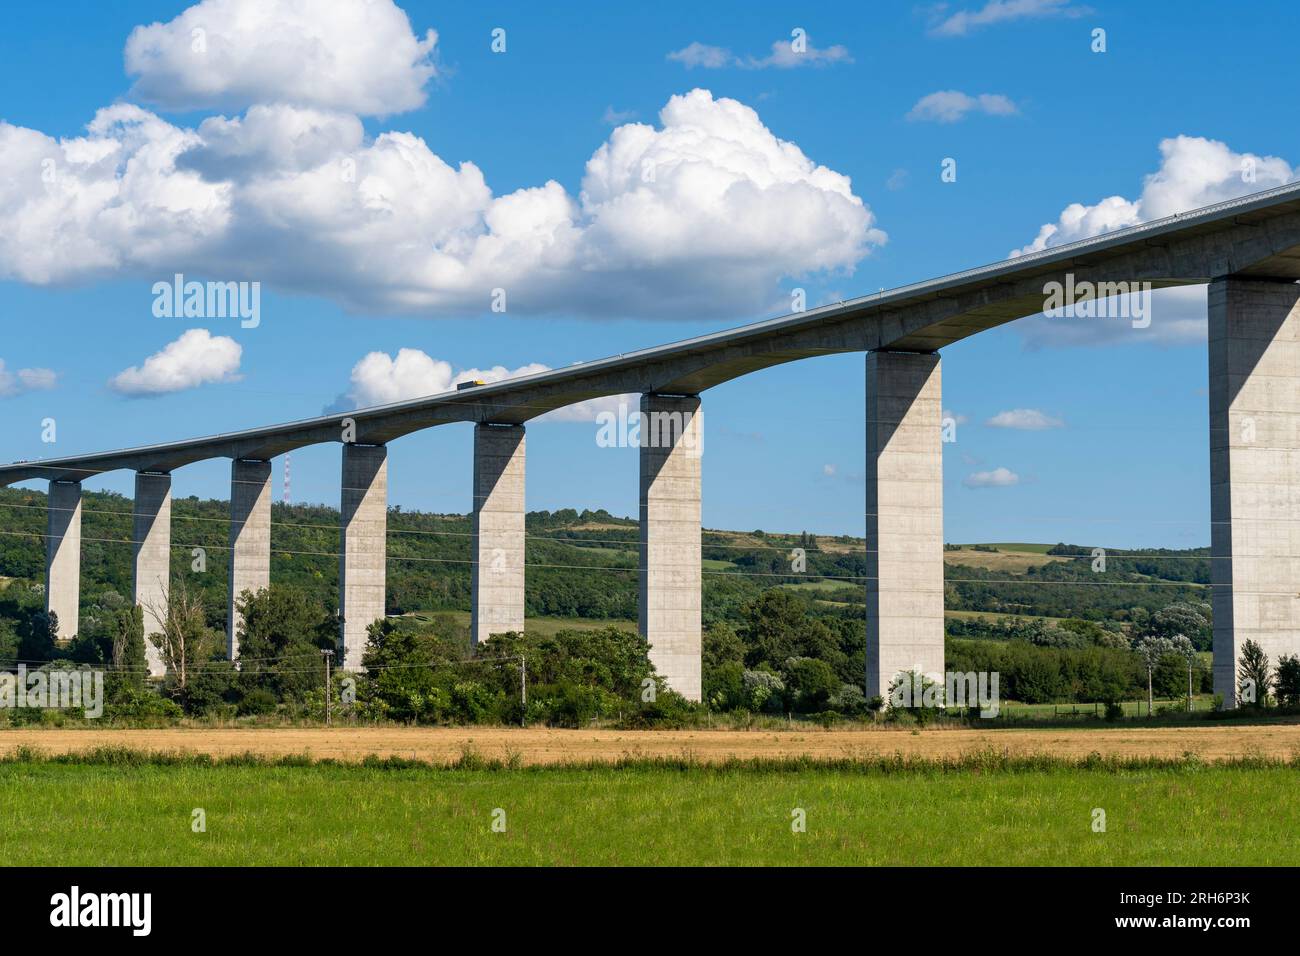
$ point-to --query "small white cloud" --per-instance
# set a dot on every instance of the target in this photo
(24, 380)
(956, 417)
(783, 56)
(1000, 11)
(380, 379)
(196, 358)
(1024, 419)
(828, 471)
(997, 478)
(949, 106)
(702, 55)
(615, 117)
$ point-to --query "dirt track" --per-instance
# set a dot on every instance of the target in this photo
(540, 746)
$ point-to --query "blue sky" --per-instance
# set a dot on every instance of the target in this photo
(1123, 461)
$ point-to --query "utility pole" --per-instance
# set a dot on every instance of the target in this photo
(523, 689)
(329, 656)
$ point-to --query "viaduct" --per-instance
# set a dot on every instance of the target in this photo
(1247, 250)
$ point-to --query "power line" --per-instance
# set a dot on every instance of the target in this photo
(1111, 553)
(809, 576)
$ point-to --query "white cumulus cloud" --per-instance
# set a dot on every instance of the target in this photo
(997, 478)
(379, 379)
(699, 216)
(196, 358)
(1194, 172)
(1024, 419)
(354, 55)
(949, 106)
(109, 202)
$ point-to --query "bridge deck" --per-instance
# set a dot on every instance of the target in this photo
(1254, 236)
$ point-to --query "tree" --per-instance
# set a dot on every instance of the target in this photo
(1183, 645)
(777, 627)
(404, 671)
(1152, 649)
(185, 638)
(128, 661)
(810, 684)
(1287, 682)
(721, 646)
(1183, 619)
(37, 636)
(283, 633)
(1254, 675)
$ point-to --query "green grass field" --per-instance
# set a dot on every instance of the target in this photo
(1023, 546)
(985, 813)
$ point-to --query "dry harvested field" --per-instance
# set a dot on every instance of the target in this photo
(543, 746)
(1001, 560)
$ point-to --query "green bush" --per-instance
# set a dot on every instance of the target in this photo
(764, 692)
(256, 701)
(141, 705)
(810, 684)
(724, 686)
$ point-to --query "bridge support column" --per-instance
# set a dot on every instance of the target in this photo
(63, 556)
(152, 539)
(250, 538)
(1254, 472)
(498, 569)
(904, 517)
(364, 547)
(671, 440)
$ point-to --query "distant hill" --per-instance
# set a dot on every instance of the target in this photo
(583, 564)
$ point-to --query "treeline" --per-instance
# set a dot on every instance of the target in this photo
(1069, 589)
(1189, 564)
(782, 654)
(767, 648)
(580, 564)
(1045, 675)
(1189, 619)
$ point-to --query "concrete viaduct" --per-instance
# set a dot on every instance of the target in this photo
(1247, 249)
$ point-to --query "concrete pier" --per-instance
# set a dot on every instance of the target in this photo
(904, 517)
(364, 547)
(152, 542)
(671, 440)
(498, 569)
(1254, 472)
(63, 556)
(250, 538)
